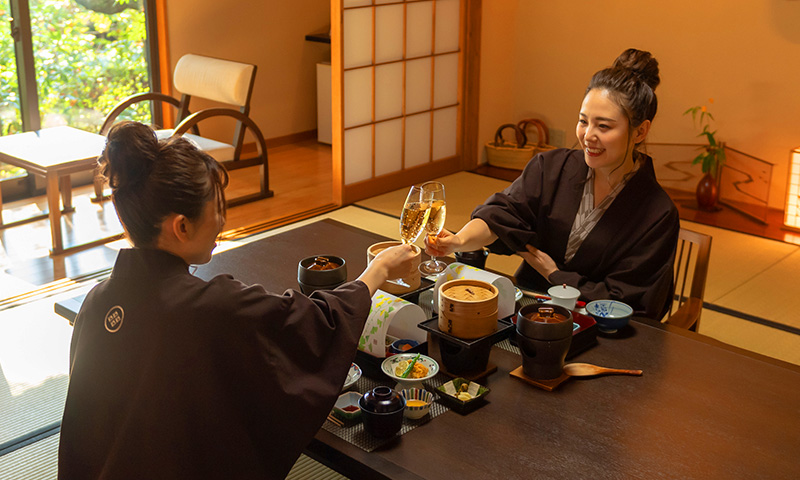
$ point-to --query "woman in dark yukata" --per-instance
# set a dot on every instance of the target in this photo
(594, 218)
(175, 377)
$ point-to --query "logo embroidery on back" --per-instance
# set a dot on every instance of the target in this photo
(114, 318)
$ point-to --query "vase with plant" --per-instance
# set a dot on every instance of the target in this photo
(711, 158)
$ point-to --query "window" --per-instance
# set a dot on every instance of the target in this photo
(68, 62)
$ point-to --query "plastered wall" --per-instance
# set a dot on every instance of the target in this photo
(537, 57)
(268, 33)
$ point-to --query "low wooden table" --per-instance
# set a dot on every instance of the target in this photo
(702, 409)
(54, 153)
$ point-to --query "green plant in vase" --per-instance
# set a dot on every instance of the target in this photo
(711, 158)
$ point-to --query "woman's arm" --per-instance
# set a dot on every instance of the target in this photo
(391, 263)
(473, 236)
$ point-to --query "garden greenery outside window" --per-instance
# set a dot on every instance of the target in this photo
(88, 56)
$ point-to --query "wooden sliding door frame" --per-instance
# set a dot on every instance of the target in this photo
(467, 124)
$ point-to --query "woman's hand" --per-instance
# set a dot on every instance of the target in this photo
(394, 262)
(540, 261)
(442, 245)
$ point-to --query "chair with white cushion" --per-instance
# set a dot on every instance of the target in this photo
(222, 81)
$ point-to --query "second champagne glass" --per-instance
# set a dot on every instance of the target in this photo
(433, 195)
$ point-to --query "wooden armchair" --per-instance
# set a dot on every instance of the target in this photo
(691, 269)
(219, 80)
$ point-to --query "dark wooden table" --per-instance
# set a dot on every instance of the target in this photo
(702, 409)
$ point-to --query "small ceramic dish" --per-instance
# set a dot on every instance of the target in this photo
(418, 402)
(391, 365)
(610, 315)
(403, 345)
(449, 394)
(346, 406)
(352, 377)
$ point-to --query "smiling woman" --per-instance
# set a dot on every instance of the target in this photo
(595, 218)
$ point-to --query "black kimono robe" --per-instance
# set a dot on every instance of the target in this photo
(175, 377)
(629, 254)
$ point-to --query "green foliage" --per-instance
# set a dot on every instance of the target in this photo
(86, 62)
(712, 157)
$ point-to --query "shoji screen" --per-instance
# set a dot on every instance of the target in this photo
(401, 71)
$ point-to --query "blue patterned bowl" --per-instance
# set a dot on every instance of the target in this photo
(415, 395)
(610, 315)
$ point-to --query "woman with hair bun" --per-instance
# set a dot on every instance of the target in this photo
(172, 376)
(595, 218)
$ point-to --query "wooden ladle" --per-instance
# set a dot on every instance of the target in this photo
(587, 370)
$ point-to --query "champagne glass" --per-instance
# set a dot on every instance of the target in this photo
(433, 195)
(412, 220)
(414, 217)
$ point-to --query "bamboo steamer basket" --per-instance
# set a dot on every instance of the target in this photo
(413, 279)
(464, 318)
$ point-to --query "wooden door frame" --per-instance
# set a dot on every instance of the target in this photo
(467, 150)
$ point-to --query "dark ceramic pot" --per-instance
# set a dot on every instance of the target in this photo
(475, 258)
(543, 330)
(707, 192)
(311, 280)
(543, 359)
(382, 400)
(382, 411)
(543, 343)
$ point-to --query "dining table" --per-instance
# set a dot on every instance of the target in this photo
(701, 409)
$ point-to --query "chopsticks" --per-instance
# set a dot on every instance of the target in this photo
(335, 420)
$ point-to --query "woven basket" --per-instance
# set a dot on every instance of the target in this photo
(543, 134)
(504, 154)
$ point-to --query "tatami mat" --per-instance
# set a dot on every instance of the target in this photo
(771, 293)
(751, 336)
(737, 258)
(37, 461)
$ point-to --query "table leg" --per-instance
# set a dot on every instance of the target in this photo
(54, 212)
(65, 185)
(1, 206)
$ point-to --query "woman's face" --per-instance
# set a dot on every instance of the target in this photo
(602, 132)
(206, 230)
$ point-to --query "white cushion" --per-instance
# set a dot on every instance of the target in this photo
(220, 80)
(221, 152)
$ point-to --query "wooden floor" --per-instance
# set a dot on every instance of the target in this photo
(300, 176)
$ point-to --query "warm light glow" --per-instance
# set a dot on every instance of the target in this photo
(792, 213)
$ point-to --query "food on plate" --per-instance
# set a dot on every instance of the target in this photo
(323, 263)
(417, 371)
(462, 394)
(546, 315)
(415, 403)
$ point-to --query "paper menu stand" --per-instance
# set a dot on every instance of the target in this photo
(506, 303)
(393, 316)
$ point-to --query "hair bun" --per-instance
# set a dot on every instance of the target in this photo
(641, 63)
(131, 150)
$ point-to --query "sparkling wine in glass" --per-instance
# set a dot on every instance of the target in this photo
(412, 220)
(414, 217)
(433, 195)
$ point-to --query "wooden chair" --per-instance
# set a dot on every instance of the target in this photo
(219, 80)
(691, 270)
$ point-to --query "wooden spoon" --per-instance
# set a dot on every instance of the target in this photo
(587, 369)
